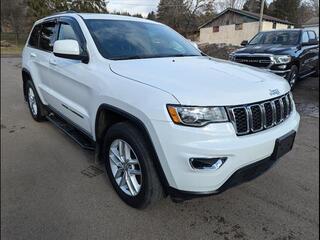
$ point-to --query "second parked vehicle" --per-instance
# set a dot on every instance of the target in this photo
(292, 53)
(163, 118)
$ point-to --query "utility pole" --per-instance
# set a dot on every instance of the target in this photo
(261, 15)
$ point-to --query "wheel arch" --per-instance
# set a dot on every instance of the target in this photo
(107, 115)
(26, 76)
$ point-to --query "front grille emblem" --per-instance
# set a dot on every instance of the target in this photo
(273, 92)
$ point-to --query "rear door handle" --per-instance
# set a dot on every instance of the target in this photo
(33, 55)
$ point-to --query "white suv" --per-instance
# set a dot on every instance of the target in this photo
(163, 117)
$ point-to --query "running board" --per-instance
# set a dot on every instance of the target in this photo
(308, 74)
(83, 140)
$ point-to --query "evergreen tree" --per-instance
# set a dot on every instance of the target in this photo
(41, 8)
(254, 6)
(151, 16)
(92, 6)
(173, 13)
(138, 15)
(286, 9)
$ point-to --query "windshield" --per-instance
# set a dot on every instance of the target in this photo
(276, 37)
(120, 40)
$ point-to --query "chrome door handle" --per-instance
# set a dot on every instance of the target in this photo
(33, 55)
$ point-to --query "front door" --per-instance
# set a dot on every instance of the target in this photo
(71, 85)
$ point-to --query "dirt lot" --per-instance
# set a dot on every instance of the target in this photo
(46, 195)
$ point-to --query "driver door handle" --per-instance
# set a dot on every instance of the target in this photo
(53, 62)
(33, 55)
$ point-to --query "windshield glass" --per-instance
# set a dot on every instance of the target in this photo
(120, 40)
(276, 37)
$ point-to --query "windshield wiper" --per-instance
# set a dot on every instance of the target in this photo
(127, 57)
(152, 56)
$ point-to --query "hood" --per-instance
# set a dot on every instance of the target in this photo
(266, 48)
(203, 81)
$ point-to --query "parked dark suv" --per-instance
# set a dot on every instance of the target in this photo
(291, 53)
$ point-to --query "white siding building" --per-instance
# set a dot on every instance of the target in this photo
(232, 26)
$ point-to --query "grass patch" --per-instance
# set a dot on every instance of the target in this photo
(13, 50)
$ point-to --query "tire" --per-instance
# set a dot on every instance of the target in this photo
(316, 74)
(138, 191)
(35, 105)
(293, 76)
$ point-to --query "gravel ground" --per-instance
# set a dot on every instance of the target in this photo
(46, 192)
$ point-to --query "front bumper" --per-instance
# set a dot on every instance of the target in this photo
(281, 73)
(180, 143)
(244, 174)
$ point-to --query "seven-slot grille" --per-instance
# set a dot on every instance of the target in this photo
(259, 116)
(254, 60)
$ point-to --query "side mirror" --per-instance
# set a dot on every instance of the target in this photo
(69, 49)
(244, 43)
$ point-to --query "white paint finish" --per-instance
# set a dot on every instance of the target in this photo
(216, 140)
(144, 87)
(203, 82)
(68, 47)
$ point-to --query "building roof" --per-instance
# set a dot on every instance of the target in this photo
(312, 22)
(252, 15)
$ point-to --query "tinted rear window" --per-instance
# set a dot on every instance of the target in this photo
(33, 41)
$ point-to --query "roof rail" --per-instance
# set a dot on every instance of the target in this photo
(68, 11)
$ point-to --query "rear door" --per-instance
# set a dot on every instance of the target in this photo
(71, 83)
(313, 51)
(42, 54)
(305, 56)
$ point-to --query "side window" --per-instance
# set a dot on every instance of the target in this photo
(34, 37)
(47, 36)
(305, 37)
(66, 32)
(312, 35)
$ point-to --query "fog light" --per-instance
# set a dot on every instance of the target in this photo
(207, 163)
(282, 66)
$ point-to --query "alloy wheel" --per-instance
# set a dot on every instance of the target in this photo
(32, 102)
(125, 167)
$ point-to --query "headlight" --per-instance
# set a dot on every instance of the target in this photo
(281, 59)
(197, 116)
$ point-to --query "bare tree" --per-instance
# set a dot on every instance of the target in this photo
(13, 13)
(223, 4)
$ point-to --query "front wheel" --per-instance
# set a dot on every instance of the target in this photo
(293, 76)
(129, 166)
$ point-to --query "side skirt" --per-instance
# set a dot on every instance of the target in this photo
(72, 131)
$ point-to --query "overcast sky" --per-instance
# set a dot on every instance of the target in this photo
(137, 6)
(133, 6)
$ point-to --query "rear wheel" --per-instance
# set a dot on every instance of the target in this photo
(293, 76)
(36, 107)
(129, 166)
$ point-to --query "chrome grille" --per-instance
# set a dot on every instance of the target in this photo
(259, 116)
